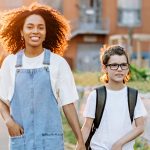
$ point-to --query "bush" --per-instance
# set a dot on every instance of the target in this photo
(141, 144)
(139, 73)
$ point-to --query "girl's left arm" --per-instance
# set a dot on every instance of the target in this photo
(71, 115)
(138, 130)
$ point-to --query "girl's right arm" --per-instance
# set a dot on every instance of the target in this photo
(86, 128)
(13, 128)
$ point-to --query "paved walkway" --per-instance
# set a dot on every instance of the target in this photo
(4, 134)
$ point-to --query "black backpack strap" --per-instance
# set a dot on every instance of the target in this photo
(101, 95)
(132, 100)
(100, 105)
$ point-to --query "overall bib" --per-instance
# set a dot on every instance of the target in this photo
(35, 108)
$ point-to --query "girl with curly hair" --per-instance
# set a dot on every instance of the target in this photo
(35, 80)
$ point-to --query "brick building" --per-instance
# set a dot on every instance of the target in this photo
(98, 22)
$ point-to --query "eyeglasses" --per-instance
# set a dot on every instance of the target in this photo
(123, 66)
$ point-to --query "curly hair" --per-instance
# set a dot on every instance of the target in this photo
(57, 28)
(109, 51)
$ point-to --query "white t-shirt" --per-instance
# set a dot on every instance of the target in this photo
(115, 122)
(62, 80)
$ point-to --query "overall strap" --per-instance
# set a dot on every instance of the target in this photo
(47, 54)
(101, 96)
(132, 99)
(19, 59)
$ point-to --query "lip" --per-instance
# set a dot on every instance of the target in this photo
(118, 74)
(35, 38)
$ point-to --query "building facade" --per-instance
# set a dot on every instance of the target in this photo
(98, 22)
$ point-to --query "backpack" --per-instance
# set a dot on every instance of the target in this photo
(101, 95)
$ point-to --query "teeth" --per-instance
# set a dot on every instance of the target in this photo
(35, 38)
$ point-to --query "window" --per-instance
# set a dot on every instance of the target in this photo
(129, 12)
(90, 10)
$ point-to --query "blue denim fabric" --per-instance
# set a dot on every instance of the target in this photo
(35, 108)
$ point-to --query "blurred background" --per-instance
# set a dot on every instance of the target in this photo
(98, 22)
(94, 24)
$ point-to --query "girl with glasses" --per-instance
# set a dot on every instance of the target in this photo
(115, 131)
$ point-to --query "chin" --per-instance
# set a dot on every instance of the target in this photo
(118, 80)
(35, 45)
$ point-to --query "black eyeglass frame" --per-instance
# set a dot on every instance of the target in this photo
(118, 65)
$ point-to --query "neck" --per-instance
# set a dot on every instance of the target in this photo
(33, 51)
(115, 85)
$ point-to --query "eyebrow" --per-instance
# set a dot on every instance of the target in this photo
(118, 63)
(37, 24)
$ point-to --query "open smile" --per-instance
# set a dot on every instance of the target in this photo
(35, 38)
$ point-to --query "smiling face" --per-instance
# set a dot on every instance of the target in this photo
(119, 74)
(34, 31)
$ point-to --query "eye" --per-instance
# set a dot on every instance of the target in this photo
(29, 27)
(41, 27)
(124, 64)
(114, 65)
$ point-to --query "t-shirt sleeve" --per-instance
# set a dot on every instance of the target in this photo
(139, 109)
(4, 80)
(89, 110)
(66, 85)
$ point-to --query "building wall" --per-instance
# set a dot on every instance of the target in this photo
(110, 12)
(71, 10)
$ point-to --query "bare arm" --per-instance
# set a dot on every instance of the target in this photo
(4, 110)
(86, 128)
(139, 129)
(13, 128)
(71, 115)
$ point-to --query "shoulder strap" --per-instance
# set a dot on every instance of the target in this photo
(132, 99)
(100, 104)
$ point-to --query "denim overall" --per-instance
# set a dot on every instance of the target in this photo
(35, 108)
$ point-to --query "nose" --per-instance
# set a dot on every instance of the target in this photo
(119, 67)
(35, 30)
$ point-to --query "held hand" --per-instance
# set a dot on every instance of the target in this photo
(80, 147)
(116, 146)
(14, 129)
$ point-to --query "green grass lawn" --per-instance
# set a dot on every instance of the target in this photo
(92, 79)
